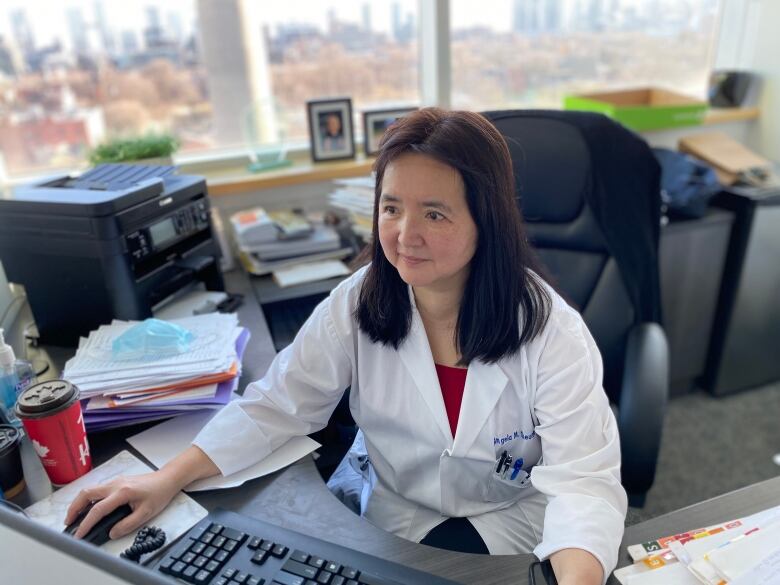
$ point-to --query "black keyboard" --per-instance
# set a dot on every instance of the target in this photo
(229, 549)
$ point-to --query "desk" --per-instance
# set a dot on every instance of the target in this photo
(296, 497)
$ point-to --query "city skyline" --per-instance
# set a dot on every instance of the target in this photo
(57, 102)
(131, 16)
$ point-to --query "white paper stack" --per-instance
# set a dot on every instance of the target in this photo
(732, 553)
(356, 196)
(738, 556)
(310, 272)
(119, 391)
(253, 226)
(322, 239)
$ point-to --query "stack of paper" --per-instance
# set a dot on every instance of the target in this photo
(718, 555)
(269, 241)
(322, 239)
(356, 195)
(310, 272)
(253, 226)
(117, 392)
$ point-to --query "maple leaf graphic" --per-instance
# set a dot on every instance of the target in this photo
(41, 450)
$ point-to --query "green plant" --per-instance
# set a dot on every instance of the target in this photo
(129, 149)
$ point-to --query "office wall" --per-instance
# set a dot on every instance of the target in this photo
(749, 39)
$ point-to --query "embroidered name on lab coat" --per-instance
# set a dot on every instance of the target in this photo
(518, 434)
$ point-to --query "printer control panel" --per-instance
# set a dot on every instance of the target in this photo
(167, 230)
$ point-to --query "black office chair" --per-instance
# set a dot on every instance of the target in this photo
(590, 196)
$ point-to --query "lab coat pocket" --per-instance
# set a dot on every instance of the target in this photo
(504, 489)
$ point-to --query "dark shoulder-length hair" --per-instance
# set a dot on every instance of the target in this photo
(504, 303)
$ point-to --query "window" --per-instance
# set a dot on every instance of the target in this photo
(215, 73)
(530, 53)
(227, 74)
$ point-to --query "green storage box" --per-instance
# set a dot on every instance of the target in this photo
(642, 109)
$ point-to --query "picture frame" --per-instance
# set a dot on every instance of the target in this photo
(331, 131)
(375, 122)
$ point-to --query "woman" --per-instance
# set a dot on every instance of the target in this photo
(477, 389)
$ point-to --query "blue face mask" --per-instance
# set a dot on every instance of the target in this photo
(151, 339)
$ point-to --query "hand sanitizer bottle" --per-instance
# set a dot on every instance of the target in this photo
(8, 381)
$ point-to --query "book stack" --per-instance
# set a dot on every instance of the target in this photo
(356, 197)
(120, 392)
(745, 551)
(270, 241)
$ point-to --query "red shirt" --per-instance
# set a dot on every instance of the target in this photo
(452, 382)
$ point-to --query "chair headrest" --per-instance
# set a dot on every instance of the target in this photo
(552, 165)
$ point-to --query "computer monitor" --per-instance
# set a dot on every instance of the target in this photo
(34, 554)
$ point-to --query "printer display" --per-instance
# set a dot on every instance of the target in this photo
(112, 243)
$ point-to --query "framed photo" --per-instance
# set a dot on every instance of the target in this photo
(330, 129)
(375, 122)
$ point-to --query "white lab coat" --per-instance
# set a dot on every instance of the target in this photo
(544, 404)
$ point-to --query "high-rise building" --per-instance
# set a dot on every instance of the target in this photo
(365, 12)
(105, 35)
(21, 31)
(239, 79)
(153, 32)
(395, 20)
(77, 28)
(9, 63)
(129, 42)
(552, 15)
(175, 28)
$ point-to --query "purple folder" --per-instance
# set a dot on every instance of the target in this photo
(106, 418)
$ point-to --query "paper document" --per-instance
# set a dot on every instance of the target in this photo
(673, 574)
(712, 556)
(163, 442)
(310, 272)
(178, 517)
(767, 572)
(742, 554)
(196, 302)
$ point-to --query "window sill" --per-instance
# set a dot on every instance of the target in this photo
(228, 174)
(236, 179)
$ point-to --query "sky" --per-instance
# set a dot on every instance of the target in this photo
(130, 14)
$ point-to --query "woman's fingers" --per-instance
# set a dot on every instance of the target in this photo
(103, 507)
(130, 523)
(84, 498)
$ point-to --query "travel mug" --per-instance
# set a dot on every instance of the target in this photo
(11, 473)
(51, 414)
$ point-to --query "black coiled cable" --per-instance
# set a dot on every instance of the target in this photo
(148, 539)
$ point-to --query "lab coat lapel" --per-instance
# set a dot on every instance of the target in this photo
(417, 357)
(484, 385)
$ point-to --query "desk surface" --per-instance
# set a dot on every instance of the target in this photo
(297, 498)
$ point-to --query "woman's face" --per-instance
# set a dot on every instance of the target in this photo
(425, 226)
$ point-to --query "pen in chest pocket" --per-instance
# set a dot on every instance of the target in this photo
(500, 461)
(516, 469)
(507, 463)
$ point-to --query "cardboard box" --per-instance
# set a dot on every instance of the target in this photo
(642, 109)
(731, 160)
